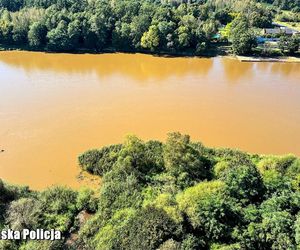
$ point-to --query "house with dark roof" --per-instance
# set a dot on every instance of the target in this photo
(280, 30)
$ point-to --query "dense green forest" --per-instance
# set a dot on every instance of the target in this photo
(167, 26)
(177, 195)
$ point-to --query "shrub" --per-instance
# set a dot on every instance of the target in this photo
(277, 163)
(182, 160)
(100, 161)
(58, 208)
(245, 184)
(209, 212)
(148, 229)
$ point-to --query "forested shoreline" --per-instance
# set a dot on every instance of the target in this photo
(205, 27)
(176, 195)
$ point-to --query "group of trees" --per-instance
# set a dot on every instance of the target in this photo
(289, 16)
(177, 195)
(156, 26)
(56, 207)
(285, 4)
(242, 36)
(289, 44)
(123, 25)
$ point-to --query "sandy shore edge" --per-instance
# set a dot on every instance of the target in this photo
(289, 59)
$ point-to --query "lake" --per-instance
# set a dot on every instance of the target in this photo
(55, 106)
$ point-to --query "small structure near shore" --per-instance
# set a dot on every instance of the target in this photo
(278, 31)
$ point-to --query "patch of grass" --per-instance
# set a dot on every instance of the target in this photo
(292, 25)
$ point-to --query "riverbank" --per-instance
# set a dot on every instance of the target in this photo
(214, 51)
(283, 59)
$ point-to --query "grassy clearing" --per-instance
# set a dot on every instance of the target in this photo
(292, 25)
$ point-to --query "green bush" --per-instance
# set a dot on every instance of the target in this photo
(184, 161)
(148, 229)
(277, 163)
(99, 161)
(245, 184)
(87, 200)
(58, 208)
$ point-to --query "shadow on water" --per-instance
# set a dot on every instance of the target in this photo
(140, 67)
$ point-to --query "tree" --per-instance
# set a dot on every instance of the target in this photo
(57, 206)
(150, 39)
(121, 38)
(101, 161)
(290, 44)
(183, 161)
(140, 156)
(274, 232)
(86, 200)
(111, 235)
(166, 29)
(43, 245)
(245, 184)
(121, 189)
(12, 5)
(297, 230)
(260, 16)
(275, 182)
(139, 25)
(22, 213)
(210, 213)
(184, 37)
(97, 31)
(148, 229)
(242, 37)
(282, 200)
(190, 242)
(170, 245)
(58, 37)
(74, 33)
(210, 28)
(282, 44)
(293, 170)
(277, 163)
(37, 34)
(6, 32)
(20, 23)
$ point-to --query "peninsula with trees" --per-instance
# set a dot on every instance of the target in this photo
(177, 195)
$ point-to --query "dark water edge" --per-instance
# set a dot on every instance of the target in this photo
(218, 49)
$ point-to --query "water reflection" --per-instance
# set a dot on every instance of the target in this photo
(234, 70)
(136, 66)
(287, 69)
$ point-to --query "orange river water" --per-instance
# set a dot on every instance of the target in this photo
(55, 106)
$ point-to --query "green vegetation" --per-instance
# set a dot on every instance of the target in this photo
(285, 4)
(288, 16)
(243, 38)
(291, 45)
(173, 195)
(182, 27)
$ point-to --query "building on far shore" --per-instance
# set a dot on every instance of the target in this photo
(271, 35)
(280, 30)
